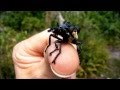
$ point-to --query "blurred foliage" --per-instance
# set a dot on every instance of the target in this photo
(114, 68)
(8, 38)
(22, 20)
(99, 31)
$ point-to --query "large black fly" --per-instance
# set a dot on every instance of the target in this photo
(69, 33)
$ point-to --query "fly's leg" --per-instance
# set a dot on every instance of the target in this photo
(75, 41)
(78, 48)
(58, 41)
(55, 48)
(49, 42)
(52, 35)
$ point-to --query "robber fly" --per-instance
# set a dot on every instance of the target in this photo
(69, 34)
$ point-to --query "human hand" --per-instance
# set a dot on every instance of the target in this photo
(31, 62)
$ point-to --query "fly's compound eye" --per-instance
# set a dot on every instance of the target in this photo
(71, 29)
(78, 29)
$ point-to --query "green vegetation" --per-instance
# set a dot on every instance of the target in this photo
(99, 31)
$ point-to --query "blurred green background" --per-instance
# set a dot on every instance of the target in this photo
(100, 36)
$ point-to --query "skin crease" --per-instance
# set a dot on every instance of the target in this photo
(30, 61)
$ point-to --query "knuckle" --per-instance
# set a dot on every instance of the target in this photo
(16, 51)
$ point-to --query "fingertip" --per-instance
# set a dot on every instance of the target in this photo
(67, 62)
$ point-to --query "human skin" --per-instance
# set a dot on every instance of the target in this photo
(31, 62)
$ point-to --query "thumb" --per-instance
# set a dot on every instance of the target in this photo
(67, 61)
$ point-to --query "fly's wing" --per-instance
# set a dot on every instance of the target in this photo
(77, 28)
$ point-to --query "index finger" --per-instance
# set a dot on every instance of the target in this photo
(38, 42)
